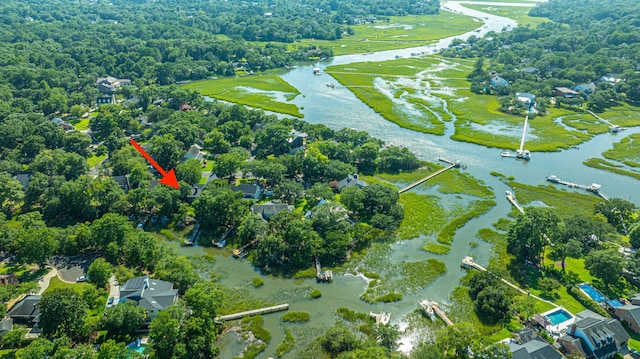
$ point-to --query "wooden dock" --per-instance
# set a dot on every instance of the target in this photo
(468, 262)
(452, 164)
(326, 276)
(593, 188)
(436, 309)
(266, 310)
(381, 318)
(514, 202)
(242, 251)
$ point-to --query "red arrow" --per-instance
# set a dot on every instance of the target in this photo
(168, 178)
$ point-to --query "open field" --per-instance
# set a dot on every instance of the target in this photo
(266, 91)
(399, 33)
(518, 13)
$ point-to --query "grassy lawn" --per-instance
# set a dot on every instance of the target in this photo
(56, 283)
(267, 91)
(95, 160)
(518, 13)
(399, 33)
(81, 125)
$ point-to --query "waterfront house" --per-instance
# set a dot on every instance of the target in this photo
(586, 88)
(593, 336)
(565, 92)
(527, 344)
(350, 180)
(526, 98)
(629, 314)
(498, 81)
(106, 100)
(151, 294)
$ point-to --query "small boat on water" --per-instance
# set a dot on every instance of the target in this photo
(505, 154)
(427, 309)
(508, 193)
(331, 85)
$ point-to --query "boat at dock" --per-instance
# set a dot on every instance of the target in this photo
(381, 318)
(427, 308)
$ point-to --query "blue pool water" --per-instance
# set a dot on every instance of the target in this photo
(558, 316)
(592, 292)
(136, 348)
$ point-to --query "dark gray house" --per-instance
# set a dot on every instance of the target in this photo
(268, 210)
(350, 180)
(594, 336)
(152, 294)
(249, 191)
(26, 310)
(529, 345)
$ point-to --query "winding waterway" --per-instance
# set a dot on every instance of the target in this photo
(338, 108)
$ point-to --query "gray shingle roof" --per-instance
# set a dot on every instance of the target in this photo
(26, 308)
(148, 293)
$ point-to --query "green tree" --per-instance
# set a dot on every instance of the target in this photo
(62, 312)
(167, 151)
(617, 211)
(634, 235)
(396, 159)
(111, 228)
(178, 270)
(337, 340)
(99, 272)
(113, 350)
(492, 304)
(227, 164)
(124, 318)
(36, 245)
(11, 194)
(387, 335)
(39, 348)
(189, 171)
(605, 264)
(453, 340)
(220, 208)
(288, 191)
(532, 232)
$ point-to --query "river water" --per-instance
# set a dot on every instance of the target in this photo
(338, 108)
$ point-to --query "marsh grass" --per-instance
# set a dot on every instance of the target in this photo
(608, 166)
(518, 13)
(626, 151)
(436, 248)
(419, 275)
(478, 208)
(287, 343)
(229, 89)
(422, 215)
(296, 317)
(568, 203)
(399, 33)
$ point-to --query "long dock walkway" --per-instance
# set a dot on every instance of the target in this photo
(593, 188)
(513, 201)
(266, 310)
(452, 164)
(440, 313)
(467, 262)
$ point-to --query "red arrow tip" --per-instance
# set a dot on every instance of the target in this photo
(170, 179)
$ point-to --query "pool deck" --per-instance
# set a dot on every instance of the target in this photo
(559, 327)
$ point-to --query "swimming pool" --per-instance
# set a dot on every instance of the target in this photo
(558, 316)
(592, 292)
(136, 347)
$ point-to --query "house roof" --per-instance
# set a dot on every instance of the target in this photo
(534, 349)
(148, 293)
(530, 70)
(351, 180)
(606, 335)
(270, 209)
(499, 81)
(123, 182)
(525, 96)
(6, 325)
(249, 191)
(26, 308)
(195, 151)
(633, 310)
(566, 90)
(23, 178)
(585, 87)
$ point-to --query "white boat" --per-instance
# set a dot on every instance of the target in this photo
(508, 193)
(427, 309)
(505, 154)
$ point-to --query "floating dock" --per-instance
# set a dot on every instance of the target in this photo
(383, 318)
(452, 164)
(266, 310)
(243, 251)
(593, 188)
